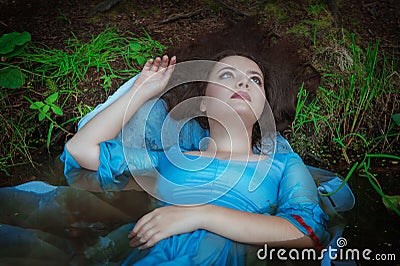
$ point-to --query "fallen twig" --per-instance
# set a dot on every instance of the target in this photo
(181, 16)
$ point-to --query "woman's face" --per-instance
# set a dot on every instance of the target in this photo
(236, 84)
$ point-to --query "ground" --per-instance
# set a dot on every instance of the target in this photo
(54, 22)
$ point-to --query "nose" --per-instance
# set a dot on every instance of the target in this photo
(244, 83)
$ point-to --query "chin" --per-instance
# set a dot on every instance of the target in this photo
(247, 116)
(246, 113)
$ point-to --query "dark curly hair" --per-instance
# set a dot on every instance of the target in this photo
(283, 69)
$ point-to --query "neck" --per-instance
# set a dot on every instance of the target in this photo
(235, 139)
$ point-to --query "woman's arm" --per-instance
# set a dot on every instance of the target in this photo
(84, 146)
(236, 225)
(252, 228)
(299, 221)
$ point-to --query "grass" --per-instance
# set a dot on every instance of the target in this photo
(317, 21)
(78, 57)
(55, 88)
(348, 104)
(352, 113)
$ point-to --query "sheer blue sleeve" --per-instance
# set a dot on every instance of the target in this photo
(298, 201)
(116, 166)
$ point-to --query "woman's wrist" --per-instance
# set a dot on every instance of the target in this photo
(139, 91)
(203, 215)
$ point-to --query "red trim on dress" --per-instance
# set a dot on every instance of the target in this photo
(309, 230)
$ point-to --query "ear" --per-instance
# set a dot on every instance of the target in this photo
(203, 108)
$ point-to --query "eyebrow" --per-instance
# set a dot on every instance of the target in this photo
(235, 69)
(256, 72)
(226, 68)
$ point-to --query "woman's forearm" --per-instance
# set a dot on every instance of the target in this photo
(251, 228)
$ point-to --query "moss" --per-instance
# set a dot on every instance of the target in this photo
(300, 29)
(276, 12)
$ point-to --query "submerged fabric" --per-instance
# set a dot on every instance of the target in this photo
(42, 224)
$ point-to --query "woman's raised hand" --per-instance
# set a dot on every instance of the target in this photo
(155, 75)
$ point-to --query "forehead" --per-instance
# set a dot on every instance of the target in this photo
(241, 63)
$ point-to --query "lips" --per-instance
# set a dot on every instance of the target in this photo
(241, 95)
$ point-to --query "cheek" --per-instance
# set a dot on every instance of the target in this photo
(217, 91)
(259, 101)
(259, 108)
(216, 100)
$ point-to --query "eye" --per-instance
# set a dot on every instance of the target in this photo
(226, 75)
(256, 80)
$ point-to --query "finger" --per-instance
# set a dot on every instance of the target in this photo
(139, 225)
(150, 234)
(156, 64)
(164, 63)
(131, 234)
(173, 60)
(135, 242)
(172, 64)
(148, 65)
(147, 230)
(149, 243)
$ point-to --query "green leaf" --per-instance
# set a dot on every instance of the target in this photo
(396, 118)
(52, 98)
(17, 51)
(11, 78)
(45, 109)
(36, 105)
(10, 40)
(140, 59)
(57, 110)
(395, 199)
(136, 47)
(49, 135)
(42, 116)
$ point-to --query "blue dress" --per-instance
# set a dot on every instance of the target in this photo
(287, 191)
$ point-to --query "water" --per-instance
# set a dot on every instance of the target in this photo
(71, 224)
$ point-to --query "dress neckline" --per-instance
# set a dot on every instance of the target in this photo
(198, 156)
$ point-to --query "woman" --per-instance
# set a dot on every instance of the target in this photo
(282, 211)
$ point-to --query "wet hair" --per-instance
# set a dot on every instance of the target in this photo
(287, 73)
(283, 69)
